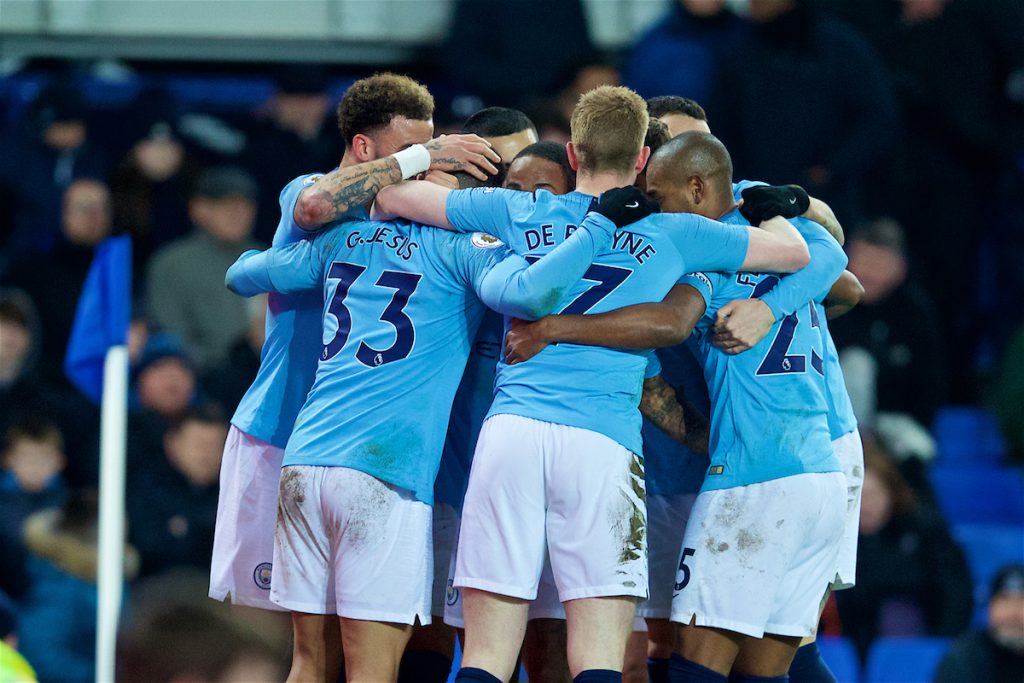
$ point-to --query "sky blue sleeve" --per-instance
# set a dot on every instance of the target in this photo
(814, 281)
(292, 268)
(515, 287)
(653, 366)
(702, 282)
(705, 244)
(288, 231)
(483, 209)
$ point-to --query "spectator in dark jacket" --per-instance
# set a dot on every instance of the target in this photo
(895, 323)
(173, 509)
(805, 99)
(912, 578)
(55, 280)
(679, 54)
(996, 654)
(38, 164)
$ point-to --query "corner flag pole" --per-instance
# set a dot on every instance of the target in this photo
(113, 423)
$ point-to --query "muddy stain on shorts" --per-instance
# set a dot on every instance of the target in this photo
(714, 546)
(627, 516)
(368, 513)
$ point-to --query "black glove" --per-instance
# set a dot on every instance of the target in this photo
(625, 205)
(762, 202)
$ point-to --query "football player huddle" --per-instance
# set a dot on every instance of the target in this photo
(577, 407)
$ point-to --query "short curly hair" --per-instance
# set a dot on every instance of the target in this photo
(370, 104)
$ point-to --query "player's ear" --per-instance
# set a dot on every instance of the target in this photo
(363, 148)
(697, 189)
(641, 159)
(570, 151)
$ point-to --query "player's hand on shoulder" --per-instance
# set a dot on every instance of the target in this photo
(442, 178)
(625, 205)
(469, 153)
(761, 202)
(524, 340)
(741, 324)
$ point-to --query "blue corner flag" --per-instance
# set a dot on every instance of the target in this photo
(103, 315)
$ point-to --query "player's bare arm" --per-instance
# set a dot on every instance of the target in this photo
(417, 200)
(822, 214)
(775, 247)
(641, 326)
(681, 421)
(844, 295)
(341, 190)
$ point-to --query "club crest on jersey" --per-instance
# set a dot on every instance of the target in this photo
(261, 575)
(717, 469)
(484, 241)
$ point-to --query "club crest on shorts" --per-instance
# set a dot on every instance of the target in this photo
(261, 575)
(452, 594)
(482, 240)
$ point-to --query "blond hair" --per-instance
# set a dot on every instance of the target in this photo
(608, 128)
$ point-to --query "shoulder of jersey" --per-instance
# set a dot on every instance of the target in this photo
(482, 240)
(312, 179)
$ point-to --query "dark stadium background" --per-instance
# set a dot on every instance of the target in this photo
(907, 116)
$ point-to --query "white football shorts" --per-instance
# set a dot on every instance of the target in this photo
(758, 559)
(243, 542)
(850, 452)
(545, 606)
(351, 544)
(579, 493)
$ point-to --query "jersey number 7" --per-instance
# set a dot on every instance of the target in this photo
(404, 284)
(606, 280)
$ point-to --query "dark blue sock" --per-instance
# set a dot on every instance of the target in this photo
(598, 676)
(809, 667)
(684, 671)
(471, 675)
(424, 666)
(740, 678)
(657, 670)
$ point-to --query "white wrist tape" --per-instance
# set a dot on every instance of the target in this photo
(413, 160)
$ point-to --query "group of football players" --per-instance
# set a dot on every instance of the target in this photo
(460, 423)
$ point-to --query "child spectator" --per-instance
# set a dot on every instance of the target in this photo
(173, 509)
(32, 461)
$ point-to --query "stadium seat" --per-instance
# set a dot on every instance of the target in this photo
(968, 436)
(988, 547)
(841, 657)
(979, 495)
(905, 660)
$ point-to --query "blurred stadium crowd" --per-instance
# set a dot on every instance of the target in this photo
(907, 117)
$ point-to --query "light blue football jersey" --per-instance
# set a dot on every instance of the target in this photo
(768, 406)
(585, 386)
(401, 304)
(289, 356)
(670, 468)
(472, 401)
(841, 419)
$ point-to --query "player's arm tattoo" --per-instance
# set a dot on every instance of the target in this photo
(343, 189)
(678, 419)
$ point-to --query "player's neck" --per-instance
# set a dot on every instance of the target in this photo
(597, 184)
(723, 209)
(348, 159)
